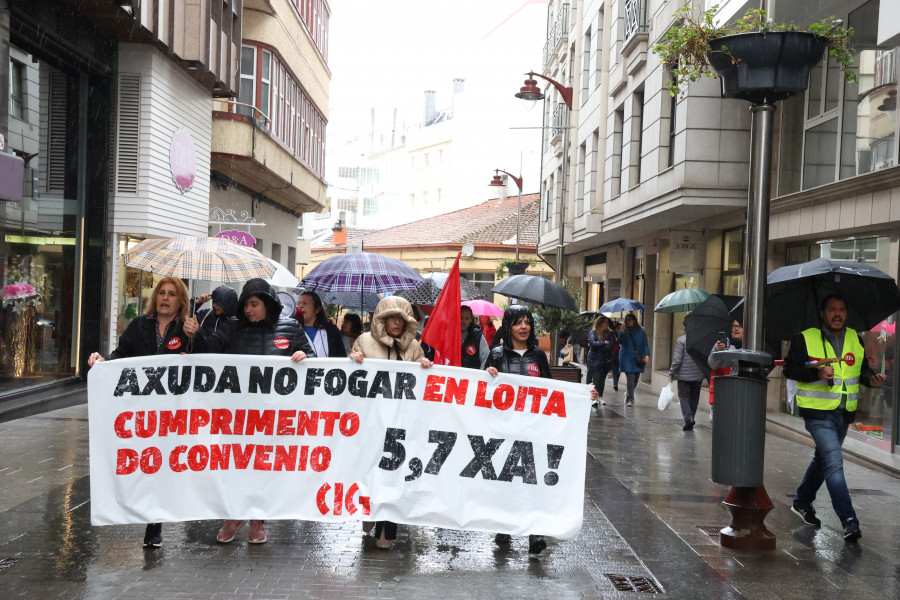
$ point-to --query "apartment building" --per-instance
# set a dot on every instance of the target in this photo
(648, 192)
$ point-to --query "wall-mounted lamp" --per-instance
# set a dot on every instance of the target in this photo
(194, 65)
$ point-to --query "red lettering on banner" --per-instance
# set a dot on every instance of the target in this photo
(320, 459)
(556, 405)
(151, 460)
(341, 499)
(220, 421)
(260, 422)
(172, 422)
(537, 395)
(126, 461)
(285, 458)
(521, 394)
(481, 395)
(199, 418)
(304, 456)
(286, 422)
(219, 457)
(239, 416)
(433, 385)
(198, 458)
(120, 425)
(262, 458)
(504, 395)
(349, 424)
(242, 458)
(145, 423)
(456, 390)
(307, 423)
(174, 456)
(330, 418)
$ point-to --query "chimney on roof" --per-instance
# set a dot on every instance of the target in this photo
(429, 106)
(458, 88)
(339, 230)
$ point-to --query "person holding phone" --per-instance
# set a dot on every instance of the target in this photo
(723, 366)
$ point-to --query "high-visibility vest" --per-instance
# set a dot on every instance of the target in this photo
(818, 394)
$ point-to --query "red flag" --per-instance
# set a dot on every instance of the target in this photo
(443, 331)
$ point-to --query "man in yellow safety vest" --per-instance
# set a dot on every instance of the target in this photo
(829, 364)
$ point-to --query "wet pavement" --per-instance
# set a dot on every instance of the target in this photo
(650, 531)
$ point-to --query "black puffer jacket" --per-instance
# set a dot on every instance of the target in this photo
(279, 337)
(474, 348)
(139, 339)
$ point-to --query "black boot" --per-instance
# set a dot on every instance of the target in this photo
(536, 544)
(153, 535)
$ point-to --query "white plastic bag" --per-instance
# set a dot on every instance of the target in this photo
(665, 396)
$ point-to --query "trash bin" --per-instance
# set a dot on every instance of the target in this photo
(739, 431)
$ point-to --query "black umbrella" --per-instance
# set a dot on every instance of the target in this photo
(793, 294)
(703, 325)
(538, 290)
(427, 293)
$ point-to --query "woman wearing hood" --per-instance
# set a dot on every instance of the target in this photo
(224, 305)
(520, 355)
(392, 337)
(257, 329)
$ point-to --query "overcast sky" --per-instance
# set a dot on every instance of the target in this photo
(386, 53)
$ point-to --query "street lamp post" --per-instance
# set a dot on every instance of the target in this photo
(498, 181)
(531, 92)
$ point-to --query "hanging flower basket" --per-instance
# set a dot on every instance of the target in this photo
(765, 67)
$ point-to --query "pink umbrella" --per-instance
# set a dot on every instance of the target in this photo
(884, 327)
(483, 307)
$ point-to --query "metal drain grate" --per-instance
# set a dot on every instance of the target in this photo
(6, 563)
(631, 583)
(711, 529)
(664, 421)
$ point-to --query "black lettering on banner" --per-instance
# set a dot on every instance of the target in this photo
(176, 387)
(285, 381)
(260, 381)
(415, 469)
(381, 385)
(481, 462)
(396, 450)
(127, 383)
(313, 380)
(358, 384)
(229, 381)
(405, 383)
(204, 379)
(154, 381)
(520, 463)
(335, 382)
(445, 441)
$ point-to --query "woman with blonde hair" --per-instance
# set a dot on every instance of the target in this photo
(164, 328)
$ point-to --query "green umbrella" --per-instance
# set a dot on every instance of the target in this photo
(684, 300)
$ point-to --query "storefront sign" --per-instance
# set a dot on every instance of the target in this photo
(182, 160)
(241, 238)
(685, 251)
(205, 436)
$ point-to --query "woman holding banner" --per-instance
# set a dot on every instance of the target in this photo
(259, 329)
(520, 355)
(163, 329)
(393, 337)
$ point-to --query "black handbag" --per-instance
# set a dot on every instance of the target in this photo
(639, 361)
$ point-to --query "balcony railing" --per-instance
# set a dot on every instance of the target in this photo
(558, 31)
(635, 17)
(560, 119)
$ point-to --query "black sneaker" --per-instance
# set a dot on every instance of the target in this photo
(851, 530)
(807, 513)
(536, 544)
(153, 536)
(502, 539)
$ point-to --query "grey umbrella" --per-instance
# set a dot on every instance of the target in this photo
(538, 290)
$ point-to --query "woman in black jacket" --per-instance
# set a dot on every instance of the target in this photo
(258, 329)
(163, 329)
(324, 336)
(474, 347)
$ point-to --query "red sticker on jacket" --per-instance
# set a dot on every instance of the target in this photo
(174, 344)
(534, 370)
(282, 343)
(470, 350)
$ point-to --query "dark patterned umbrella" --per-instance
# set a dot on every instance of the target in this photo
(427, 293)
(361, 272)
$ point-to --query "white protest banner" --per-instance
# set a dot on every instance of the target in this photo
(207, 436)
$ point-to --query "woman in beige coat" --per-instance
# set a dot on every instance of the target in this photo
(393, 337)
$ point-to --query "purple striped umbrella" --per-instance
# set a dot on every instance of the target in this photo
(361, 272)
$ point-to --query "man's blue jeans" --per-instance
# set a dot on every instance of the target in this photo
(827, 465)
